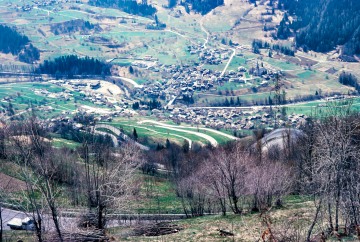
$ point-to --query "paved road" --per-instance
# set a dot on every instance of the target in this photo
(70, 219)
(229, 62)
(279, 137)
(117, 132)
(206, 32)
(48, 224)
(8, 214)
(176, 135)
(188, 127)
(113, 137)
(297, 104)
(171, 102)
(212, 141)
(128, 80)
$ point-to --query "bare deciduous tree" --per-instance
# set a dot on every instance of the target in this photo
(34, 154)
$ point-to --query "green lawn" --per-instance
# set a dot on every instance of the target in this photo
(157, 196)
(61, 143)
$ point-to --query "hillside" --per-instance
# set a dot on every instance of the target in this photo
(17, 44)
(128, 6)
(203, 6)
(323, 25)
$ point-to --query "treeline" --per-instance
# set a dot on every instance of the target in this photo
(270, 100)
(201, 6)
(129, 6)
(157, 25)
(283, 31)
(259, 44)
(18, 45)
(73, 26)
(73, 65)
(323, 25)
(349, 79)
(230, 102)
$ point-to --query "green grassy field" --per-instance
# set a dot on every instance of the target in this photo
(161, 133)
(320, 107)
(27, 94)
(153, 135)
(157, 195)
(61, 143)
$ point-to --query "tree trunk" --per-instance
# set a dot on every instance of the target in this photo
(330, 217)
(308, 238)
(337, 205)
(235, 201)
(1, 225)
(56, 221)
(38, 226)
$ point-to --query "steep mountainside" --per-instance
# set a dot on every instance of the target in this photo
(321, 25)
(17, 44)
(204, 6)
(128, 6)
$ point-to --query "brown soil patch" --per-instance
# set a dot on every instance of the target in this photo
(11, 184)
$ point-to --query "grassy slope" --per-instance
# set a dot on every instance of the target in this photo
(297, 214)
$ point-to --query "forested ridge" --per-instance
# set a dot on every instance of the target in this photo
(17, 44)
(321, 25)
(128, 6)
(203, 6)
(73, 65)
(198, 6)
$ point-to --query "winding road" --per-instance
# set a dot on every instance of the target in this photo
(212, 141)
(279, 137)
(206, 32)
(128, 80)
(117, 132)
(176, 135)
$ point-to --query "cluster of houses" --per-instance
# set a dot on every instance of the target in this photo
(231, 118)
(66, 95)
(68, 116)
(87, 91)
(185, 80)
(210, 56)
(179, 81)
(40, 3)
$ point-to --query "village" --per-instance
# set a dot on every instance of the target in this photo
(183, 81)
(41, 3)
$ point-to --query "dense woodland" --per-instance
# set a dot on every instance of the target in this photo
(74, 26)
(259, 44)
(18, 45)
(152, 104)
(322, 25)
(202, 6)
(73, 65)
(128, 6)
(349, 79)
